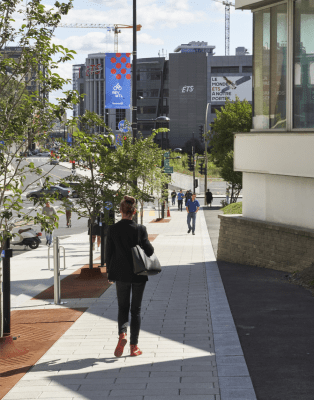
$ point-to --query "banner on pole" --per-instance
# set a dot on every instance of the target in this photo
(118, 80)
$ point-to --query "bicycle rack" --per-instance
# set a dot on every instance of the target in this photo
(60, 247)
(56, 268)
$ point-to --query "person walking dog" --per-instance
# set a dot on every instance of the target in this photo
(180, 199)
(121, 237)
(192, 207)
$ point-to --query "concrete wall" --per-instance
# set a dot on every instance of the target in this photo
(275, 153)
(278, 177)
(277, 246)
(278, 198)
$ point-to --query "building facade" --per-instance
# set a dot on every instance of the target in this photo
(180, 88)
(152, 80)
(276, 156)
(199, 79)
(89, 79)
(30, 78)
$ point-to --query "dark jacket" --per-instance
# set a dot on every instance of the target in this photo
(209, 197)
(121, 237)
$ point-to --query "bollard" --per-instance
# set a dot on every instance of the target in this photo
(56, 265)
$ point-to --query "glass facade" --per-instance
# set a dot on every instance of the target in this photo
(303, 96)
(273, 70)
(270, 68)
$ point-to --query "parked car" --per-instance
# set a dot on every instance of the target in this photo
(54, 160)
(56, 190)
(44, 154)
(72, 186)
(26, 153)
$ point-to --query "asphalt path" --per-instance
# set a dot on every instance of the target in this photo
(274, 321)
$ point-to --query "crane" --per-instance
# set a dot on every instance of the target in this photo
(114, 28)
(227, 5)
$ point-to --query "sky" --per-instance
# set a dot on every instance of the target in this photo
(165, 25)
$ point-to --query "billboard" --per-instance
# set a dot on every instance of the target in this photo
(223, 87)
(118, 80)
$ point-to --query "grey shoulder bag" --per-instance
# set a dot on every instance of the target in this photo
(142, 264)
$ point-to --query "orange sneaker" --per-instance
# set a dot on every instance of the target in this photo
(135, 351)
(120, 346)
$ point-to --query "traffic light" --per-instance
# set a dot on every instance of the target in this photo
(201, 168)
(191, 162)
(201, 132)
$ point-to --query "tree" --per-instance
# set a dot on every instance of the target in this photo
(198, 147)
(27, 62)
(234, 117)
(145, 158)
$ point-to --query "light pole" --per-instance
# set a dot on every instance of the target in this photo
(205, 140)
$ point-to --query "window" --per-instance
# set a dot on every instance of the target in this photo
(120, 116)
(147, 110)
(246, 68)
(270, 66)
(166, 92)
(214, 108)
(148, 93)
(148, 76)
(146, 126)
(218, 70)
(303, 96)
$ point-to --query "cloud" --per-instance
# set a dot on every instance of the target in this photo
(169, 13)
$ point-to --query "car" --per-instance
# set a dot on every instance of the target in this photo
(54, 161)
(44, 154)
(72, 185)
(56, 190)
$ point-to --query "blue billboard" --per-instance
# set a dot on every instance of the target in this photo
(118, 80)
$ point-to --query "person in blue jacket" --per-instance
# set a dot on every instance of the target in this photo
(192, 207)
(180, 199)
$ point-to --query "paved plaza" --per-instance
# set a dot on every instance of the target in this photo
(191, 350)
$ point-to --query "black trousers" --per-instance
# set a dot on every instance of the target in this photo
(180, 204)
(124, 293)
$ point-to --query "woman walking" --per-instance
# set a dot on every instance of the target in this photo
(121, 237)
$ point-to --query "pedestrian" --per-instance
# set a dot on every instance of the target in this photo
(121, 237)
(209, 197)
(173, 197)
(51, 213)
(227, 195)
(96, 231)
(188, 196)
(180, 199)
(192, 208)
(68, 204)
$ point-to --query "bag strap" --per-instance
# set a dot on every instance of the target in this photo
(138, 235)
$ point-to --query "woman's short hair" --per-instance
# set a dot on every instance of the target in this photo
(127, 205)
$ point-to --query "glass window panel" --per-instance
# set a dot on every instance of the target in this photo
(261, 65)
(278, 62)
(270, 66)
(303, 96)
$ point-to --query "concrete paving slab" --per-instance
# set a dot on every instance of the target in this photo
(184, 307)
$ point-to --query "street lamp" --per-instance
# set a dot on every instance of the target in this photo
(163, 118)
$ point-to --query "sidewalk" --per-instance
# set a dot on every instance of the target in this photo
(191, 350)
